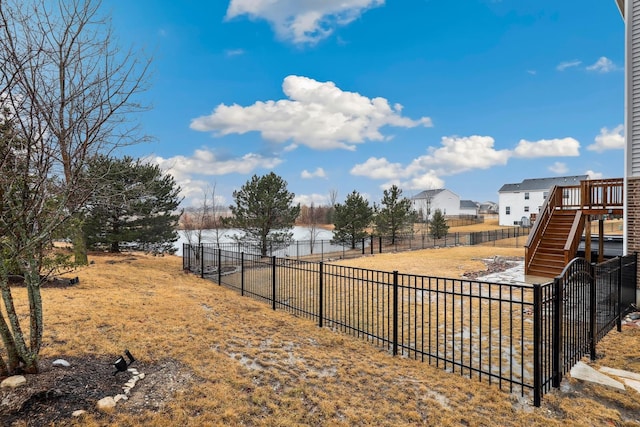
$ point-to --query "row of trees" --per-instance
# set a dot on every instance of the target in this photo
(263, 210)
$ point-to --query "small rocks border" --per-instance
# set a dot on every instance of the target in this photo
(109, 402)
(632, 320)
(104, 404)
(496, 264)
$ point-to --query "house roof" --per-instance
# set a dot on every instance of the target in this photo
(427, 194)
(541, 184)
(621, 7)
(468, 204)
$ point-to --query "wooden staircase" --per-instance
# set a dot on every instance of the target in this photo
(558, 228)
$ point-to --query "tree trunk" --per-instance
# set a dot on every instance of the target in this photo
(79, 242)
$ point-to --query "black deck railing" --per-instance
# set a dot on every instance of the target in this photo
(523, 338)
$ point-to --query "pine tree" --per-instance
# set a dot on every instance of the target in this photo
(134, 203)
(264, 211)
(351, 220)
(438, 227)
(395, 215)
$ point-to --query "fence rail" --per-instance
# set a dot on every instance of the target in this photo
(523, 338)
(327, 250)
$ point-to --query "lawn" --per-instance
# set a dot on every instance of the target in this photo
(213, 357)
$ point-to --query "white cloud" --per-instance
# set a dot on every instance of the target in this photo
(559, 168)
(568, 64)
(381, 168)
(608, 139)
(594, 175)
(317, 114)
(205, 162)
(426, 181)
(318, 173)
(532, 72)
(459, 154)
(565, 147)
(302, 21)
(316, 199)
(603, 65)
(234, 52)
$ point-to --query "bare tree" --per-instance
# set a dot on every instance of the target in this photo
(215, 216)
(310, 218)
(68, 93)
(333, 199)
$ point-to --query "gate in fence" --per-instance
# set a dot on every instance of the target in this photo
(589, 300)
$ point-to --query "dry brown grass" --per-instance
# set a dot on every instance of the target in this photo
(253, 366)
(443, 262)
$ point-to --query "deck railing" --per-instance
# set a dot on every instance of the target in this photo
(594, 196)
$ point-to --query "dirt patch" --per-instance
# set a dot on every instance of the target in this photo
(52, 395)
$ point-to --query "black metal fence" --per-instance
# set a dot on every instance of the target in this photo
(523, 338)
(327, 250)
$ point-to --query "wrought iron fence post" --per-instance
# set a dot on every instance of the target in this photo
(321, 295)
(363, 246)
(219, 267)
(619, 302)
(593, 328)
(537, 348)
(379, 244)
(242, 273)
(395, 313)
(273, 281)
(201, 261)
(556, 345)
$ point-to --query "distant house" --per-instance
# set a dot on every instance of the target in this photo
(426, 202)
(469, 207)
(488, 208)
(518, 201)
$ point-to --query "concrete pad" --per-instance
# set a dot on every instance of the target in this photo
(584, 372)
(632, 383)
(620, 373)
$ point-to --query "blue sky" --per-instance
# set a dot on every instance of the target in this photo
(361, 94)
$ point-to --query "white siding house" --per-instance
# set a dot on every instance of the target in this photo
(426, 203)
(468, 207)
(518, 201)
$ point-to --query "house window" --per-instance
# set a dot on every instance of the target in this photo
(508, 210)
(526, 208)
(526, 196)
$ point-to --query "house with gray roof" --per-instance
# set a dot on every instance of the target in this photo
(469, 207)
(426, 202)
(518, 201)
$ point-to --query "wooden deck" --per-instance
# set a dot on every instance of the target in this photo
(565, 216)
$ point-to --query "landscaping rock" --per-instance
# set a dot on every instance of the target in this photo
(106, 404)
(78, 413)
(61, 362)
(14, 381)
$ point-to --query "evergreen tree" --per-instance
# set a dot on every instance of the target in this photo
(134, 203)
(395, 215)
(351, 220)
(438, 227)
(264, 211)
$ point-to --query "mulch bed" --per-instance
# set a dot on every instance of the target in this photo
(52, 395)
